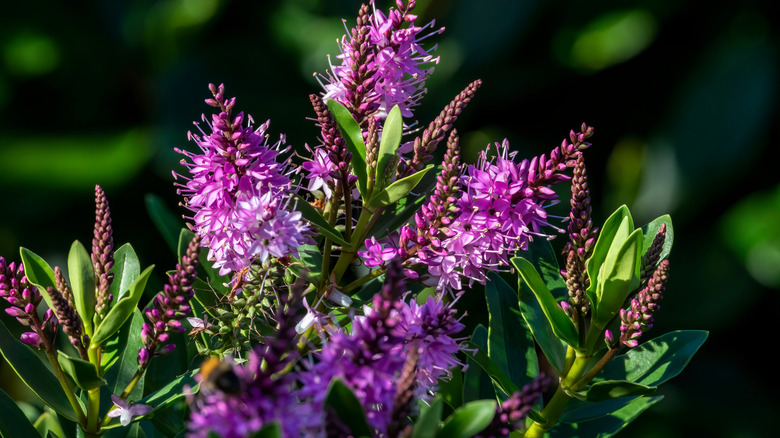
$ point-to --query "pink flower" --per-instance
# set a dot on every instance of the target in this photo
(375, 254)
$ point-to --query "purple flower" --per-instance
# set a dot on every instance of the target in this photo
(236, 191)
(127, 411)
(375, 255)
(396, 63)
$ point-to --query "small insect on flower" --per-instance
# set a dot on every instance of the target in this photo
(218, 376)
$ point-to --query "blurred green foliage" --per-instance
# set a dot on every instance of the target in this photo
(683, 96)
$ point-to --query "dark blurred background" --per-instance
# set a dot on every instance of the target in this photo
(683, 96)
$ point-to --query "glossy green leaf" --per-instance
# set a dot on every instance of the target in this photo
(312, 215)
(610, 389)
(347, 408)
(34, 373)
(206, 296)
(501, 380)
(82, 282)
(605, 426)
(124, 345)
(353, 135)
(171, 392)
(510, 344)
(650, 230)
(272, 430)
(308, 262)
(82, 372)
(13, 422)
(398, 214)
(48, 425)
(38, 273)
(167, 222)
(397, 190)
(392, 130)
(451, 391)
(541, 254)
(477, 384)
(122, 310)
(561, 324)
(468, 420)
(126, 269)
(427, 423)
(600, 250)
(657, 360)
(618, 278)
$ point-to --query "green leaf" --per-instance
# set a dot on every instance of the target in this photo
(38, 273)
(82, 282)
(657, 360)
(47, 425)
(82, 372)
(611, 389)
(618, 278)
(308, 263)
(167, 222)
(171, 392)
(124, 345)
(477, 384)
(312, 215)
(272, 430)
(600, 250)
(510, 344)
(396, 215)
(553, 348)
(427, 423)
(542, 255)
(451, 391)
(392, 130)
(206, 296)
(650, 230)
(561, 324)
(348, 408)
(126, 269)
(605, 426)
(13, 422)
(468, 420)
(397, 190)
(353, 135)
(34, 373)
(122, 310)
(501, 380)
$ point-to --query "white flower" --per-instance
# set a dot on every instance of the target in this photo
(125, 411)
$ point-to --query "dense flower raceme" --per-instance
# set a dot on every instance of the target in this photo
(383, 63)
(24, 299)
(239, 192)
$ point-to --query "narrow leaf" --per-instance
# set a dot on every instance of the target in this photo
(427, 423)
(489, 366)
(477, 384)
(126, 269)
(348, 408)
(397, 190)
(13, 422)
(610, 389)
(34, 373)
(392, 131)
(122, 310)
(600, 250)
(605, 426)
(510, 344)
(561, 325)
(312, 215)
(82, 372)
(618, 280)
(38, 273)
(353, 135)
(468, 420)
(82, 282)
(657, 360)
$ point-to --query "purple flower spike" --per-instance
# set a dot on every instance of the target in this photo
(638, 317)
(169, 307)
(375, 255)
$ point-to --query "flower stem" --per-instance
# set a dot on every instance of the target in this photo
(80, 416)
(347, 254)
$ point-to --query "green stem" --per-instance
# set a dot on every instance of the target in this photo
(347, 254)
(552, 412)
(364, 279)
(74, 402)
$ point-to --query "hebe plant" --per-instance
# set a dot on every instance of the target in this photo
(326, 290)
